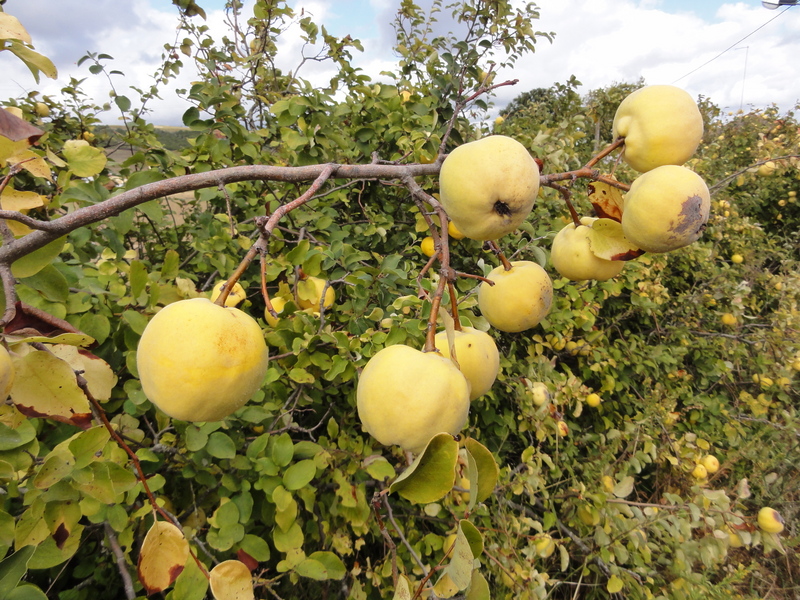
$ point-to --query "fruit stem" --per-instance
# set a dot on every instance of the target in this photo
(264, 292)
(617, 143)
(454, 306)
(566, 194)
(100, 413)
(436, 302)
(492, 245)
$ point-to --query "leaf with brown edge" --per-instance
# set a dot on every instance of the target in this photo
(17, 129)
(162, 557)
(45, 386)
(606, 199)
(248, 560)
(231, 580)
(31, 321)
(607, 241)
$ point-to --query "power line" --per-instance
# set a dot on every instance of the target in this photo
(733, 45)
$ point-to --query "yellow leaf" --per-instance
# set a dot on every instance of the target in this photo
(607, 241)
(162, 557)
(45, 386)
(607, 200)
(32, 163)
(20, 201)
(231, 580)
(9, 148)
(614, 584)
(12, 29)
(100, 378)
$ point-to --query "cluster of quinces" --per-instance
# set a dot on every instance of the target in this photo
(488, 188)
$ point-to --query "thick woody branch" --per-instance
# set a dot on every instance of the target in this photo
(51, 230)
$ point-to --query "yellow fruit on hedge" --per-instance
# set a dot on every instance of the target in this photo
(201, 362)
(278, 303)
(594, 400)
(665, 209)
(767, 169)
(545, 546)
(572, 256)
(427, 246)
(589, 515)
(737, 258)
(6, 373)
(562, 428)
(711, 463)
(42, 110)
(661, 125)
(488, 187)
(540, 393)
(235, 297)
(405, 397)
(728, 319)
(770, 520)
(309, 293)
(499, 121)
(608, 483)
(454, 231)
(519, 299)
(477, 356)
(699, 472)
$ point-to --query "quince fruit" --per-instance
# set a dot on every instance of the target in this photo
(519, 299)
(661, 125)
(767, 169)
(405, 397)
(711, 463)
(278, 303)
(539, 393)
(6, 373)
(454, 232)
(488, 187)
(572, 256)
(234, 298)
(427, 246)
(770, 520)
(199, 361)
(666, 209)
(309, 293)
(545, 546)
(594, 400)
(477, 356)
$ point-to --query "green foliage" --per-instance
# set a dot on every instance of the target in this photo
(290, 481)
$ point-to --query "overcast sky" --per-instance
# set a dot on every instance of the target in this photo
(598, 41)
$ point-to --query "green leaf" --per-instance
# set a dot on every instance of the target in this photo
(50, 282)
(27, 591)
(48, 554)
(30, 264)
(35, 62)
(312, 569)
(379, 468)
(14, 438)
(138, 278)
(282, 450)
(624, 487)
(299, 474)
(430, 477)
(69, 339)
(83, 159)
(191, 584)
(473, 536)
(13, 569)
(333, 564)
(87, 444)
(488, 471)
(123, 103)
(221, 445)
(256, 547)
(478, 587)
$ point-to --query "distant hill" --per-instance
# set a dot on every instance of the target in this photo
(173, 138)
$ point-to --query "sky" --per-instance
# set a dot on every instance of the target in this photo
(600, 42)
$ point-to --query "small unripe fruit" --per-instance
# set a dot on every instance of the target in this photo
(699, 472)
(427, 246)
(711, 463)
(737, 259)
(563, 429)
(593, 400)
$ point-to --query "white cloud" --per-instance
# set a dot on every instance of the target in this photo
(600, 42)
